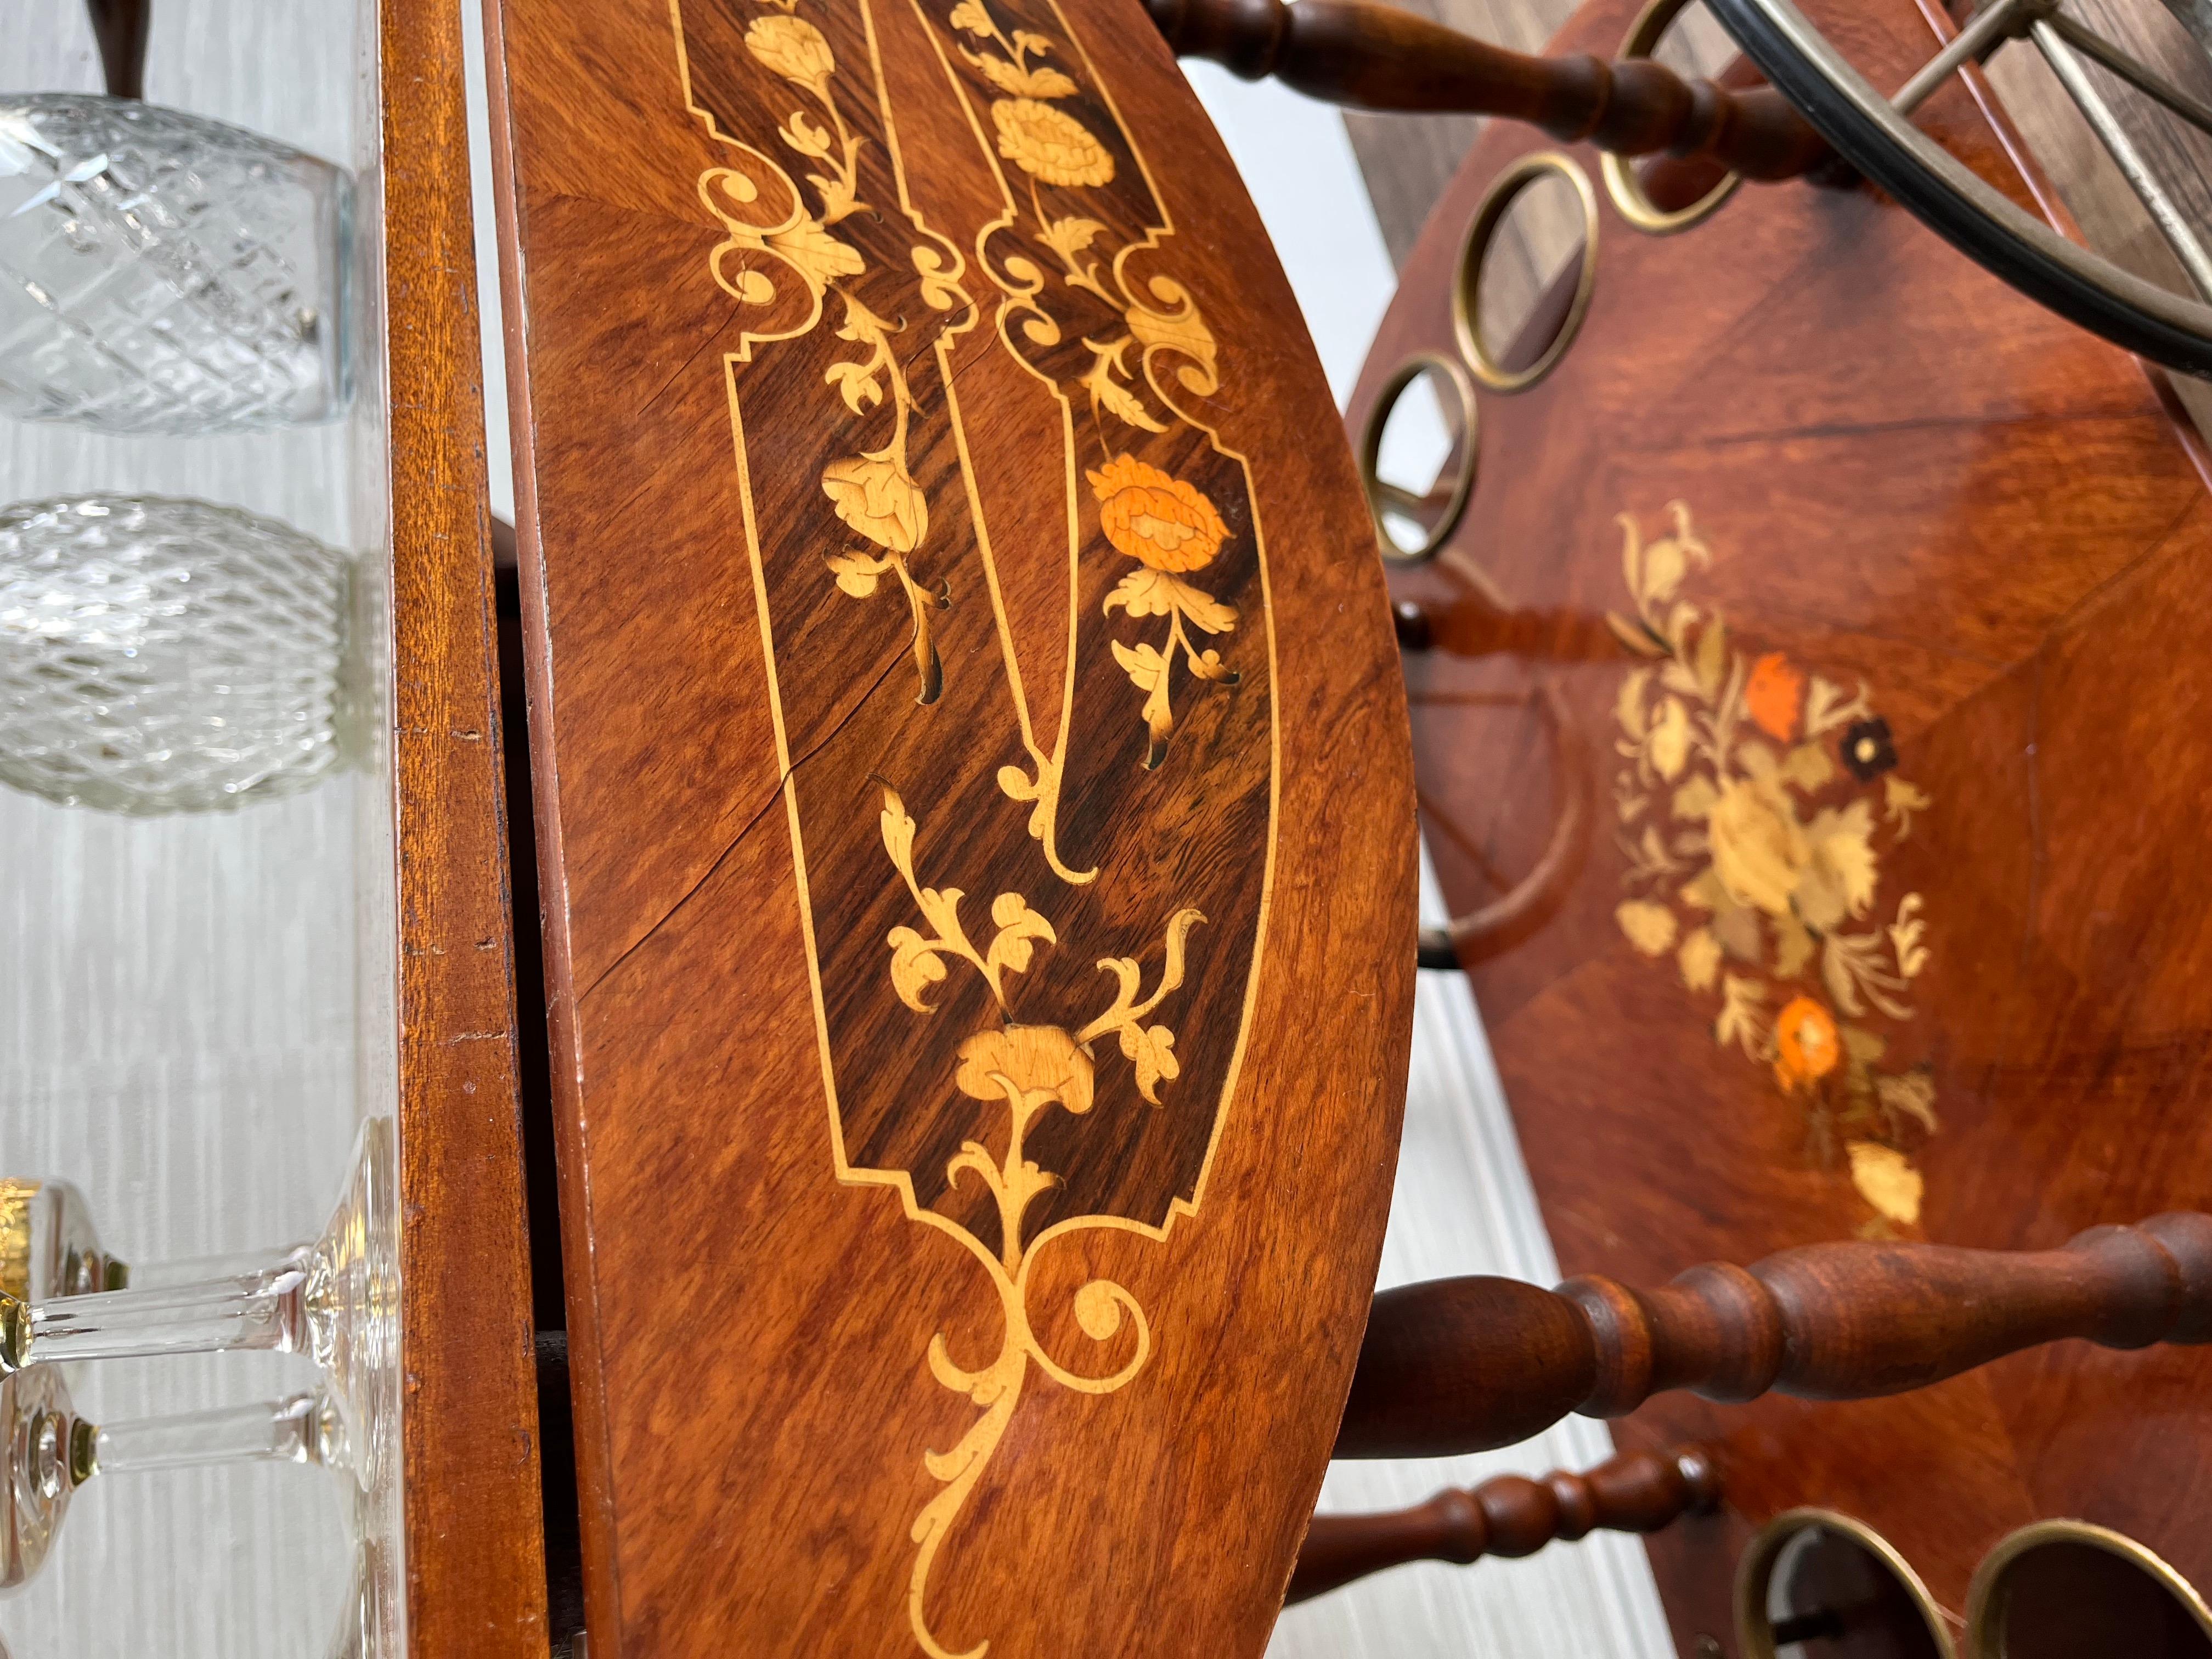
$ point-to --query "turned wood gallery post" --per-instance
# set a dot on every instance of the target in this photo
(1462, 1365)
(1510, 1515)
(1380, 58)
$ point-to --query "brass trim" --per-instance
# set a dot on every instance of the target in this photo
(1466, 297)
(1628, 196)
(1984, 1599)
(1370, 453)
(1755, 1573)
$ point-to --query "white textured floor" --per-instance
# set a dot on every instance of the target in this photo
(1463, 1203)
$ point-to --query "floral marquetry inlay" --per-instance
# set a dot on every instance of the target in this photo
(1758, 802)
(1012, 596)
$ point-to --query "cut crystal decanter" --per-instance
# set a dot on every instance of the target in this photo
(163, 273)
(167, 656)
(337, 1298)
(52, 1451)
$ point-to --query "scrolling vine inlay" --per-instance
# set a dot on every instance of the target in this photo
(984, 392)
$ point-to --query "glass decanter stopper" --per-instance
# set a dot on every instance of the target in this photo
(164, 273)
(52, 1451)
(167, 656)
(337, 1298)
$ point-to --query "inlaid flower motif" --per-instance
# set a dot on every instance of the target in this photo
(1772, 695)
(1868, 750)
(1760, 849)
(790, 47)
(873, 494)
(1886, 1180)
(1806, 1047)
(1159, 521)
(1049, 144)
(1758, 803)
(1043, 1062)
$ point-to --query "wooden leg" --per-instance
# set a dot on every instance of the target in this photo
(1510, 1515)
(119, 26)
(1460, 1364)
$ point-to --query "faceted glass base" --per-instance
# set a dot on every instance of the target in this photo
(352, 1301)
(166, 656)
(160, 272)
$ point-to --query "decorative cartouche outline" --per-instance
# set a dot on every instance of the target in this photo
(788, 242)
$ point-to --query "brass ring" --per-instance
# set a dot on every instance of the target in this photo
(1467, 298)
(1620, 182)
(1985, 1596)
(1371, 452)
(1754, 1630)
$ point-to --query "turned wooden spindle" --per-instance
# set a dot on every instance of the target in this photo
(1377, 57)
(1461, 1364)
(120, 27)
(1510, 1515)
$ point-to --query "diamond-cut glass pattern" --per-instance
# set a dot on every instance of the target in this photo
(163, 273)
(166, 656)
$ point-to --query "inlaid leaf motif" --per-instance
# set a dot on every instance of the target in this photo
(1742, 1018)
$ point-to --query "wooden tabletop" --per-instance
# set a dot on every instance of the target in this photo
(1858, 603)
(976, 828)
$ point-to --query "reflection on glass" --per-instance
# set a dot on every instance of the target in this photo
(52, 1451)
(47, 1247)
(166, 656)
(337, 1298)
(163, 273)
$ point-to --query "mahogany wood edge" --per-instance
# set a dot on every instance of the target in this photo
(1376, 57)
(1510, 1515)
(1464, 1364)
(474, 1546)
(594, 1452)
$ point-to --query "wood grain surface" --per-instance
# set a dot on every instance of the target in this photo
(1946, 542)
(474, 1543)
(1894, 476)
(975, 829)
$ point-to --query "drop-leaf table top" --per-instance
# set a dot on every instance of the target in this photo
(976, 827)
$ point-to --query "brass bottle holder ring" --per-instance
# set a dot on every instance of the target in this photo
(1629, 198)
(1466, 297)
(1380, 494)
(1989, 1594)
(1755, 1628)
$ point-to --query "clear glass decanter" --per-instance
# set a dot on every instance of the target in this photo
(52, 1451)
(159, 655)
(164, 273)
(336, 1298)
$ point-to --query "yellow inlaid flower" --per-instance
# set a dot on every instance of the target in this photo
(1049, 144)
(1886, 1180)
(790, 47)
(1806, 1048)
(1043, 1062)
(1160, 522)
(874, 496)
(1760, 849)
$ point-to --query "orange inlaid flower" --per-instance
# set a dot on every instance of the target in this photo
(1774, 694)
(1159, 521)
(1805, 1044)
